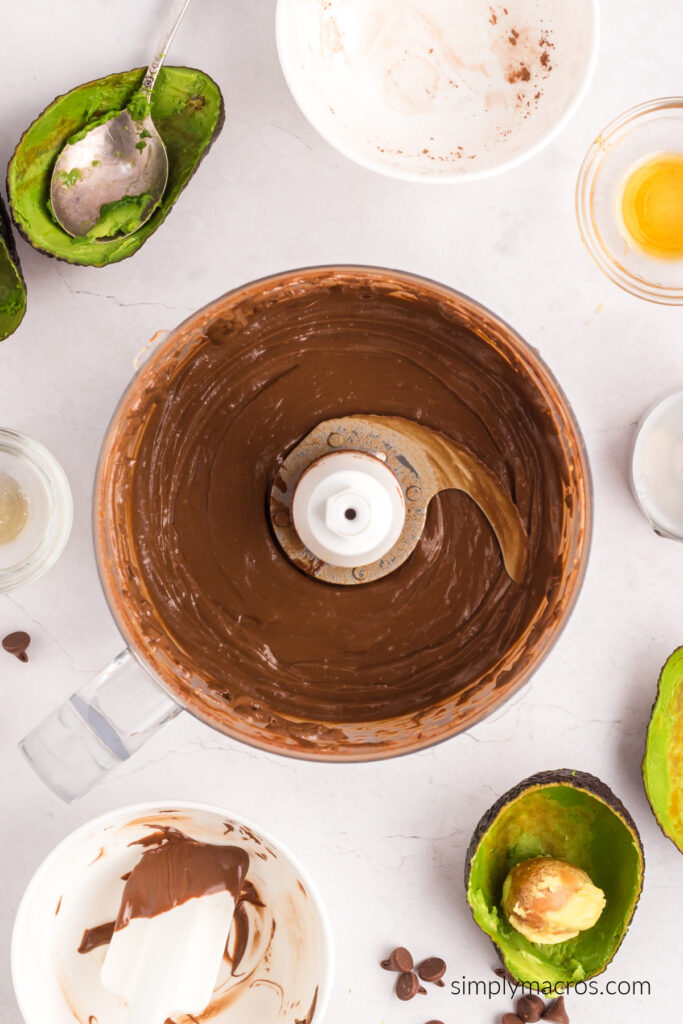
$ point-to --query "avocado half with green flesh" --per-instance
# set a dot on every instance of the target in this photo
(188, 111)
(663, 761)
(574, 817)
(12, 287)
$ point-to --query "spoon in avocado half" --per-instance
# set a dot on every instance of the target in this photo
(110, 177)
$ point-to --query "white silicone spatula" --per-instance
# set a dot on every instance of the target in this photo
(167, 965)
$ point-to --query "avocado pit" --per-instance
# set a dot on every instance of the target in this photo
(549, 900)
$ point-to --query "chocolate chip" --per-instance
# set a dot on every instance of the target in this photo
(408, 986)
(502, 972)
(432, 970)
(400, 960)
(511, 1018)
(530, 1008)
(434, 1022)
(16, 644)
(556, 1012)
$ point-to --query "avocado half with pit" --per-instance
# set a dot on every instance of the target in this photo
(574, 817)
(188, 111)
(663, 761)
(12, 287)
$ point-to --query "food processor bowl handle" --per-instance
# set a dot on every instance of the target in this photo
(97, 728)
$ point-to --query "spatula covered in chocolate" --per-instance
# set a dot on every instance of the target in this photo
(173, 925)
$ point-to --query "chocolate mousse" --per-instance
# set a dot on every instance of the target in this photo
(203, 591)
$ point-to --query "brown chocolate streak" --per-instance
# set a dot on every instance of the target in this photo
(309, 1016)
(98, 936)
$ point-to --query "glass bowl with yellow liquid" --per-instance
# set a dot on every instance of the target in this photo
(629, 200)
(36, 510)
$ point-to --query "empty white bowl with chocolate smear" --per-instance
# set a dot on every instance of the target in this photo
(275, 968)
(433, 91)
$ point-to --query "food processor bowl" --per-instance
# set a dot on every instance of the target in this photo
(159, 676)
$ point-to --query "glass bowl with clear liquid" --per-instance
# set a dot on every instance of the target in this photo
(36, 510)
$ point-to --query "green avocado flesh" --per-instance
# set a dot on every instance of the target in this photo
(663, 762)
(187, 109)
(572, 824)
(12, 288)
(121, 217)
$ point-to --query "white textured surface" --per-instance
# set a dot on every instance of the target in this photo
(385, 842)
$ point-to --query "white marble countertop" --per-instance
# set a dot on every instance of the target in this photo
(385, 842)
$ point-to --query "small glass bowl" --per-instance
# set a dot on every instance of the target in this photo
(646, 130)
(49, 515)
(657, 466)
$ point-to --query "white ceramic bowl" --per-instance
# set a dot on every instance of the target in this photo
(433, 91)
(79, 886)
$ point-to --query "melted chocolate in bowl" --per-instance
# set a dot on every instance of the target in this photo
(205, 596)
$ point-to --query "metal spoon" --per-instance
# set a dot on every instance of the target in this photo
(122, 159)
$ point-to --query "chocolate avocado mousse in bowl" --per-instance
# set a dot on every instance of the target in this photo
(341, 514)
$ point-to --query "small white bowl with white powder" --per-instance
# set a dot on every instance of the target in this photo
(438, 90)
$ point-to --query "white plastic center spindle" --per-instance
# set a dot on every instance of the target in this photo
(348, 509)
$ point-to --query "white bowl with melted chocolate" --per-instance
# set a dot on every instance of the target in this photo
(278, 962)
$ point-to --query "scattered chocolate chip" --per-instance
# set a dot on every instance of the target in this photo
(408, 986)
(432, 970)
(530, 1008)
(400, 960)
(556, 1012)
(511, 1018)
(502, 972)
(16, 644)
(434, 1022)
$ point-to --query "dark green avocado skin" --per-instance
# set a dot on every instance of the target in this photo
(7, 239)
(560, 776)
(165, 207)
(655, 703)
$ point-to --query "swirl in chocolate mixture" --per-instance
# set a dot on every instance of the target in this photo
(246, 640)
